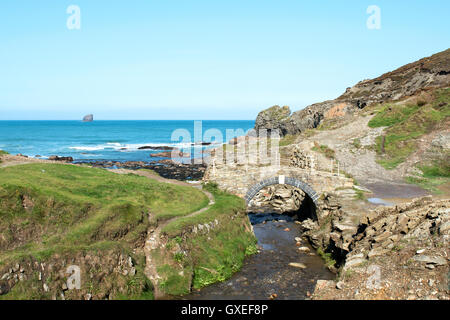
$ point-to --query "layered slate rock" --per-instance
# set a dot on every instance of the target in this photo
(430, 72)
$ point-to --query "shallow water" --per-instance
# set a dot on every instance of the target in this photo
(379, 201)
(268, 272)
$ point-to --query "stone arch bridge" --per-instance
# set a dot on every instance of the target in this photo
(245, 181)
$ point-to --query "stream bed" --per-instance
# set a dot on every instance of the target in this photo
(268, 272)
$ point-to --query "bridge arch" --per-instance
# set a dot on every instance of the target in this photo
(253, 190)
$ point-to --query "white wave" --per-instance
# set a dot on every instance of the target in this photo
(87, 148)
(136, 146)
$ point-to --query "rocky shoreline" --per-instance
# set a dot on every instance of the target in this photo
(165, 168)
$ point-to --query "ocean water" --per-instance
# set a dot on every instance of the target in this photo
(113, 140)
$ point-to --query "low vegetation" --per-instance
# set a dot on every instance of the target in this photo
(325, 150)
(213, 256)
(433, 175)
(287, 140)
(2, 153)
(406, 123)
(50, 212)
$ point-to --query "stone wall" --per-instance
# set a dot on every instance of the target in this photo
(238, 179)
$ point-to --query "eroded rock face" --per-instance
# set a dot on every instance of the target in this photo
(403, 245)
(104, 275)
(300, 159)
(431, 72)
(273, 118)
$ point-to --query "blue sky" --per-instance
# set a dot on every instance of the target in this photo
(201, 59)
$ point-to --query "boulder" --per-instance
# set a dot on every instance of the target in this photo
(273, 118)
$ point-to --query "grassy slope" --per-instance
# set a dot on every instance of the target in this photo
(62, 210)
(214, 256)
(71, 208)
(406, 124)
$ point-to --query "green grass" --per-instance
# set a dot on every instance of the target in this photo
(437, 169)
(71, 208)
(225, 205)
(406, 124)
(287, 140)
(214, 256)
(2, 153)
(356, 143)
(327, 257)
(391, 114)
(360, 195)
(150, 171)
(433, 175)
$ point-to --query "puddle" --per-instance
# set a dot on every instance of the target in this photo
(380, 202)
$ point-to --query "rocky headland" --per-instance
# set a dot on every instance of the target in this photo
(385, 235)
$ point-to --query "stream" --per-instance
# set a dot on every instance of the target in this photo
(268, 272)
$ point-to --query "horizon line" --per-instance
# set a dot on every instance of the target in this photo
(129, 120)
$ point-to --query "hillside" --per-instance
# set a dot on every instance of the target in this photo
(394, 128)
(427, 73)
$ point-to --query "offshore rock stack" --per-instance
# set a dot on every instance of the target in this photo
(88, 118)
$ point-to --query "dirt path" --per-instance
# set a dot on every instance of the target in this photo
(153, 241)
(359, 159)
(9, 160)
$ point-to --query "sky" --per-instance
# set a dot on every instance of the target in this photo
(205, 60)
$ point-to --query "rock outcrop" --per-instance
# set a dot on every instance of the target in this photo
(391, 252)
(278, 199)
(300, 159)
(274, 118)
(57, 158)
(88, 118)
(431, 72)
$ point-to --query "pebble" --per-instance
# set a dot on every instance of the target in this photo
(297, 265)
(420, 251)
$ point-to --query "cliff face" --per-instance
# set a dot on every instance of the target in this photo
(430, 72)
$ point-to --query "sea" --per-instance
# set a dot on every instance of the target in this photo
(115, 140)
